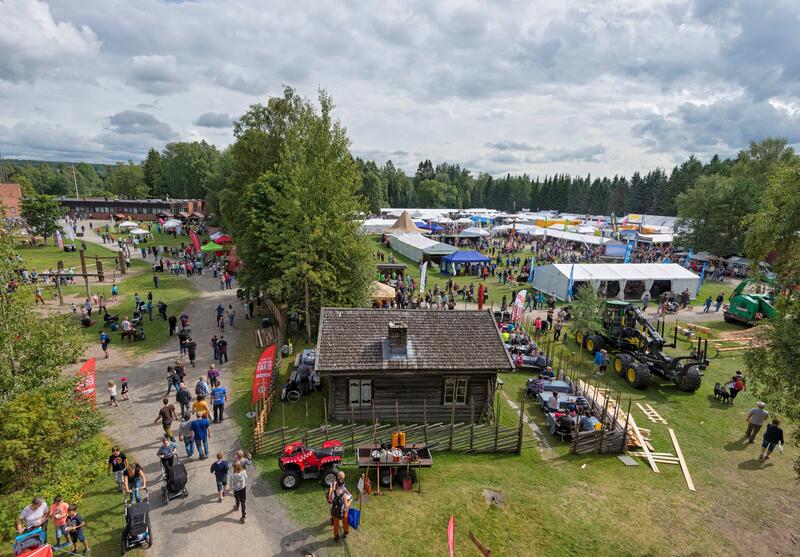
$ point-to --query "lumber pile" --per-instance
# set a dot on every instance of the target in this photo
(616, 416)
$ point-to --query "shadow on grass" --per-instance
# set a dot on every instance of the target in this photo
(753, 464)
(309, 535)
(738, 445)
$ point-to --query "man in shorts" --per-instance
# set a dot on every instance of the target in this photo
(58, 512)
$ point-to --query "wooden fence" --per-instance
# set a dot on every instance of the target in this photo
(452, 436)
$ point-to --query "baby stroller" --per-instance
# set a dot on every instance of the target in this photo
(138, 329)
(137, 530)
(175, 484)
(31, 539)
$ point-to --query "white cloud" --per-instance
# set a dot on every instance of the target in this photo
(157, 75)
(33, 43)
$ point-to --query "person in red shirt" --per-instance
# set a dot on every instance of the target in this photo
(58, 513)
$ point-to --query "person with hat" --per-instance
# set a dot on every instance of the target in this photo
(339, 498)
(755, 419)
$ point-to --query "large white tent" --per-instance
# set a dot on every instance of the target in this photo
(473, 232)
(554, 279)
(416, 246)
(575, 237)
(376, 226)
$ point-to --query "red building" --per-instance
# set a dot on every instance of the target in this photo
(11, 200)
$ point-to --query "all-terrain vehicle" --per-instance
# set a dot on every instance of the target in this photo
(299, 462)
(638, 348)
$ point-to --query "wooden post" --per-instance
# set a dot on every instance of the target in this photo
(471, 421)
(325, 413)
(82, 253)
(60, 294)
(397, 414)
(485, 551)
(496, 430)
(353, 433)
(121, 259)
(452, 423)
(521, 422)
(283, 424)
(306, 435)
(99, 265)
(425, 418)
(603, 423)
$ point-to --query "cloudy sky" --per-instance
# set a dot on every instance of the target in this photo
(596, 86)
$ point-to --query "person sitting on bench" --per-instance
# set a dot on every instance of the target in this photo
(127, 329)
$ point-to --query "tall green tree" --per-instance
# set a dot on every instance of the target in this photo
(42, 212)
(127, 181)
(299, 236)
(186, 169)
(151, 170)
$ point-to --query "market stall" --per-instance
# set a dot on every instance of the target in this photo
(417, 247)
(473, 232)
(453, 263)
(616, 280)
(380, 292)
(403, 225)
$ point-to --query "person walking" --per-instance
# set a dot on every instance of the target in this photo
(557, 329)
(239, 487)
(222, 349)
(58, 514)
(772, 437)
(220, 470)
(112, 394)
(339, 498)
(74, 527)
(645, 300)
(134, 481)
(173, 324)
(155, 281)
(755, 419)
(186, 435)
(184, 398)
(720, 299)
(182, 338)
(219, 396)
(105, 339)
(202, 431)
(707, 305)
(166, 454)
(167, 415)
(213, 376)
(231, 314)
(213, 344)
(117, 462)
(172, 380)
(191, 350)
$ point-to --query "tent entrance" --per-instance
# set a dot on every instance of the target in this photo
(609, 289)
(634, 289)
(660, 286)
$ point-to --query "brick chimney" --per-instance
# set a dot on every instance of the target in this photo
(398, 338)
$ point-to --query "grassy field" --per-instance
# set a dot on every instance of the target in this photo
(163, 239)
(46, 257)
(174, 291)
(556, 503)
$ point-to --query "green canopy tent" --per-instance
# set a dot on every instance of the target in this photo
(212, 247)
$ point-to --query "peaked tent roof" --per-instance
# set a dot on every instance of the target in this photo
(466, 256)
(403, 225)
(212, 246)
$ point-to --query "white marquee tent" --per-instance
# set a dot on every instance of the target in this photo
(554, 279)
(416, 246)
(473, 232)
(376, 226)
(128, 224)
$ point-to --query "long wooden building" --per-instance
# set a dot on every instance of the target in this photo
(422, 362)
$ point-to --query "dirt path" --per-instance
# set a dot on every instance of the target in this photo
(197, 525)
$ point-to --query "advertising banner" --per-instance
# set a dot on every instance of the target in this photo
(263, 374)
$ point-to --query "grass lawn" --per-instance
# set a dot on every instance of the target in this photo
(163, 239)
(174, 291)
(434, 277)
(713, 289)
(556, 503)
(46, 257)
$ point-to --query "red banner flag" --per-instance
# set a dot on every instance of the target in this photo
(451, 532)
(263, 375)
(87, 387)
(195, 240)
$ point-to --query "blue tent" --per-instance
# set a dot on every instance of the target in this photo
(433, 227)
(461, 257)
(480, 219)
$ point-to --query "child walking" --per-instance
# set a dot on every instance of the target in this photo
(124, 382)
(112, 394)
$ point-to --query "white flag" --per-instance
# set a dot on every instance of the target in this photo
(424, 270)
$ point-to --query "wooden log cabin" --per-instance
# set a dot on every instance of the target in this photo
(426, 361)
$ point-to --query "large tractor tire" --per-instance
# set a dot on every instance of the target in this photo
(638, 375)
(594, 344)
(690, 381)
(621, 363)
(580, 339)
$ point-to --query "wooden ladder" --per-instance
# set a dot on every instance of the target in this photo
(651, 413)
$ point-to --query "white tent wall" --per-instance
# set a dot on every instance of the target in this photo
(376, 226)
(554, 279)
(416, 246)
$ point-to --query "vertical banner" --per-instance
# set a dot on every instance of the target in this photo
(451, 535)
(263, 374)
(628, 250)
(688, 259)
(519, 304)
(571, 282)
(195, 240)
(59, 239)
(87, 381)
(703, 273)
(424, 274)
(533, 267)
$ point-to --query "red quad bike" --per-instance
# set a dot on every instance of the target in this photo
(298, 462)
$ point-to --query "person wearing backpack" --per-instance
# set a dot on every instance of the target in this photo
(736, 385)
(339, 498)
(184, 398)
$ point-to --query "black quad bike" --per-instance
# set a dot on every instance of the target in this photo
(638, 348)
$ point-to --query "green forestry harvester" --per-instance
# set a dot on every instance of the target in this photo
(638, 348)
(750, 302)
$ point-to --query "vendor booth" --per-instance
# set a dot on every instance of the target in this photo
(380, 293)
(418, 248)
(473, 232)
(376, 226)
(429, 227)
(624, 281)
(462, 259)
(403, 225)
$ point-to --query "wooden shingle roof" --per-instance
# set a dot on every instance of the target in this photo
(353, 339)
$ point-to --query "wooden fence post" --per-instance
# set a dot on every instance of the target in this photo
(425, 418)
(625, 429)
(325, 413)
(283, 424)
(603, 424)
(306, 436)
(471, 421)
(452, 423)
(353, 432)
(521, 421)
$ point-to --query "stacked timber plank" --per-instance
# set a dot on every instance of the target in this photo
(616, 416)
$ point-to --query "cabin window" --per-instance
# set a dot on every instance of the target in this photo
(360, 392)
(455, 390)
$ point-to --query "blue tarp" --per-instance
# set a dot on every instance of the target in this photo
(461, 257)
(433, 227)
(482, 220)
